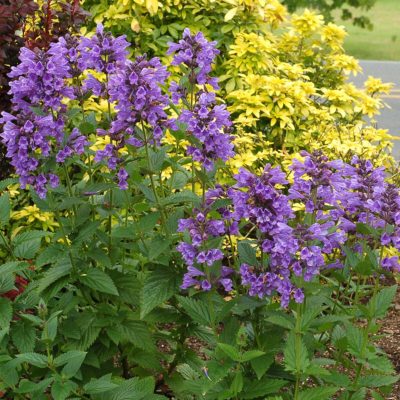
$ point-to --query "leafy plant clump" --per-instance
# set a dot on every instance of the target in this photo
(157, 278)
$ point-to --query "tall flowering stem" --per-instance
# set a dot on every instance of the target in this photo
(208, 123)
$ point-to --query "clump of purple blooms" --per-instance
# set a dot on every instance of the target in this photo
(295, 247)
(206, 263)
(37, 130)
(207, 122)
(37, 134)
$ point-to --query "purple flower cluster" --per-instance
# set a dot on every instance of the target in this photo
(197, 54)
(38, 87)
(201, 256)
(102, 53)
(291, 247)
(210, 125)
(207, 122)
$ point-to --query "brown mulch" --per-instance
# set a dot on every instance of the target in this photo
(390, 343)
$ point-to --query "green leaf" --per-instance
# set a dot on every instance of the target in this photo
(87, 232)
(178, 180)
(237, 383)
(99, 280)
(86, 128)
(196, 309)
(251, 354)
(26, 386)
(156, 159)
(381, 302)
(230, 351)
(27, 244)
(75, 360)
(6, 312)
(101, 385)
(12, 267)
(50, 327)
(60, 390)
(261, 364)
(378, 380)
(135, 332)
(36, 359)
(185, 196)
(159, 286)
(318, 393)
(296, 356)
(5, 209)
(133, 389)
(247, 253)
(285, 321)
(61, 269)
(256, 389)
(355, 339)
(23, 336)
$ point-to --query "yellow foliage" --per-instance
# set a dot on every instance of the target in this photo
(285, 78)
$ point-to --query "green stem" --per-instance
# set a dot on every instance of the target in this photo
(70, 193)
(298, 346)
(110, 222)
(153, 187)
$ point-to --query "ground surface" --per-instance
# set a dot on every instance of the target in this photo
(383, 42)
(391, 342)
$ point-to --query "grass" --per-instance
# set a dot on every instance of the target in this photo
(383, 42)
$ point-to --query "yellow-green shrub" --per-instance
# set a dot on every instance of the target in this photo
(285, 77)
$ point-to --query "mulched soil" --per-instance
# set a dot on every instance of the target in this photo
(390, 343)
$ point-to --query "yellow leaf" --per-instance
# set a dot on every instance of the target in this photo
(152, 6)
(230, 14)
(135, 26)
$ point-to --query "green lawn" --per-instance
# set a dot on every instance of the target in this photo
(383, 42)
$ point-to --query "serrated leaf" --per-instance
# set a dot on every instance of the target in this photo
(251, 354)
(230, 351)
(36, 359)
(318, 393)
(181, 197)
(256, 389)
(99, 280)
(60, 390)
(135, 332)
(74, 363)
(381, 302)
(247, 253)
(159, 286)
(101, 385)
(27, 244)
(261, 364)
(355, 339)
(6, 312)
(61, 269)
(86, 128)
(196, 309)
(378, 380)
(156, 159)
(285, 321)
(133, 389)
(296, 356)
(26, 386)
(5, 209)
(12, 267)
(23, 336)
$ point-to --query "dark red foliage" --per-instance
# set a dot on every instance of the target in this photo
(20, 285)
(54, 19)
(22, 23)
